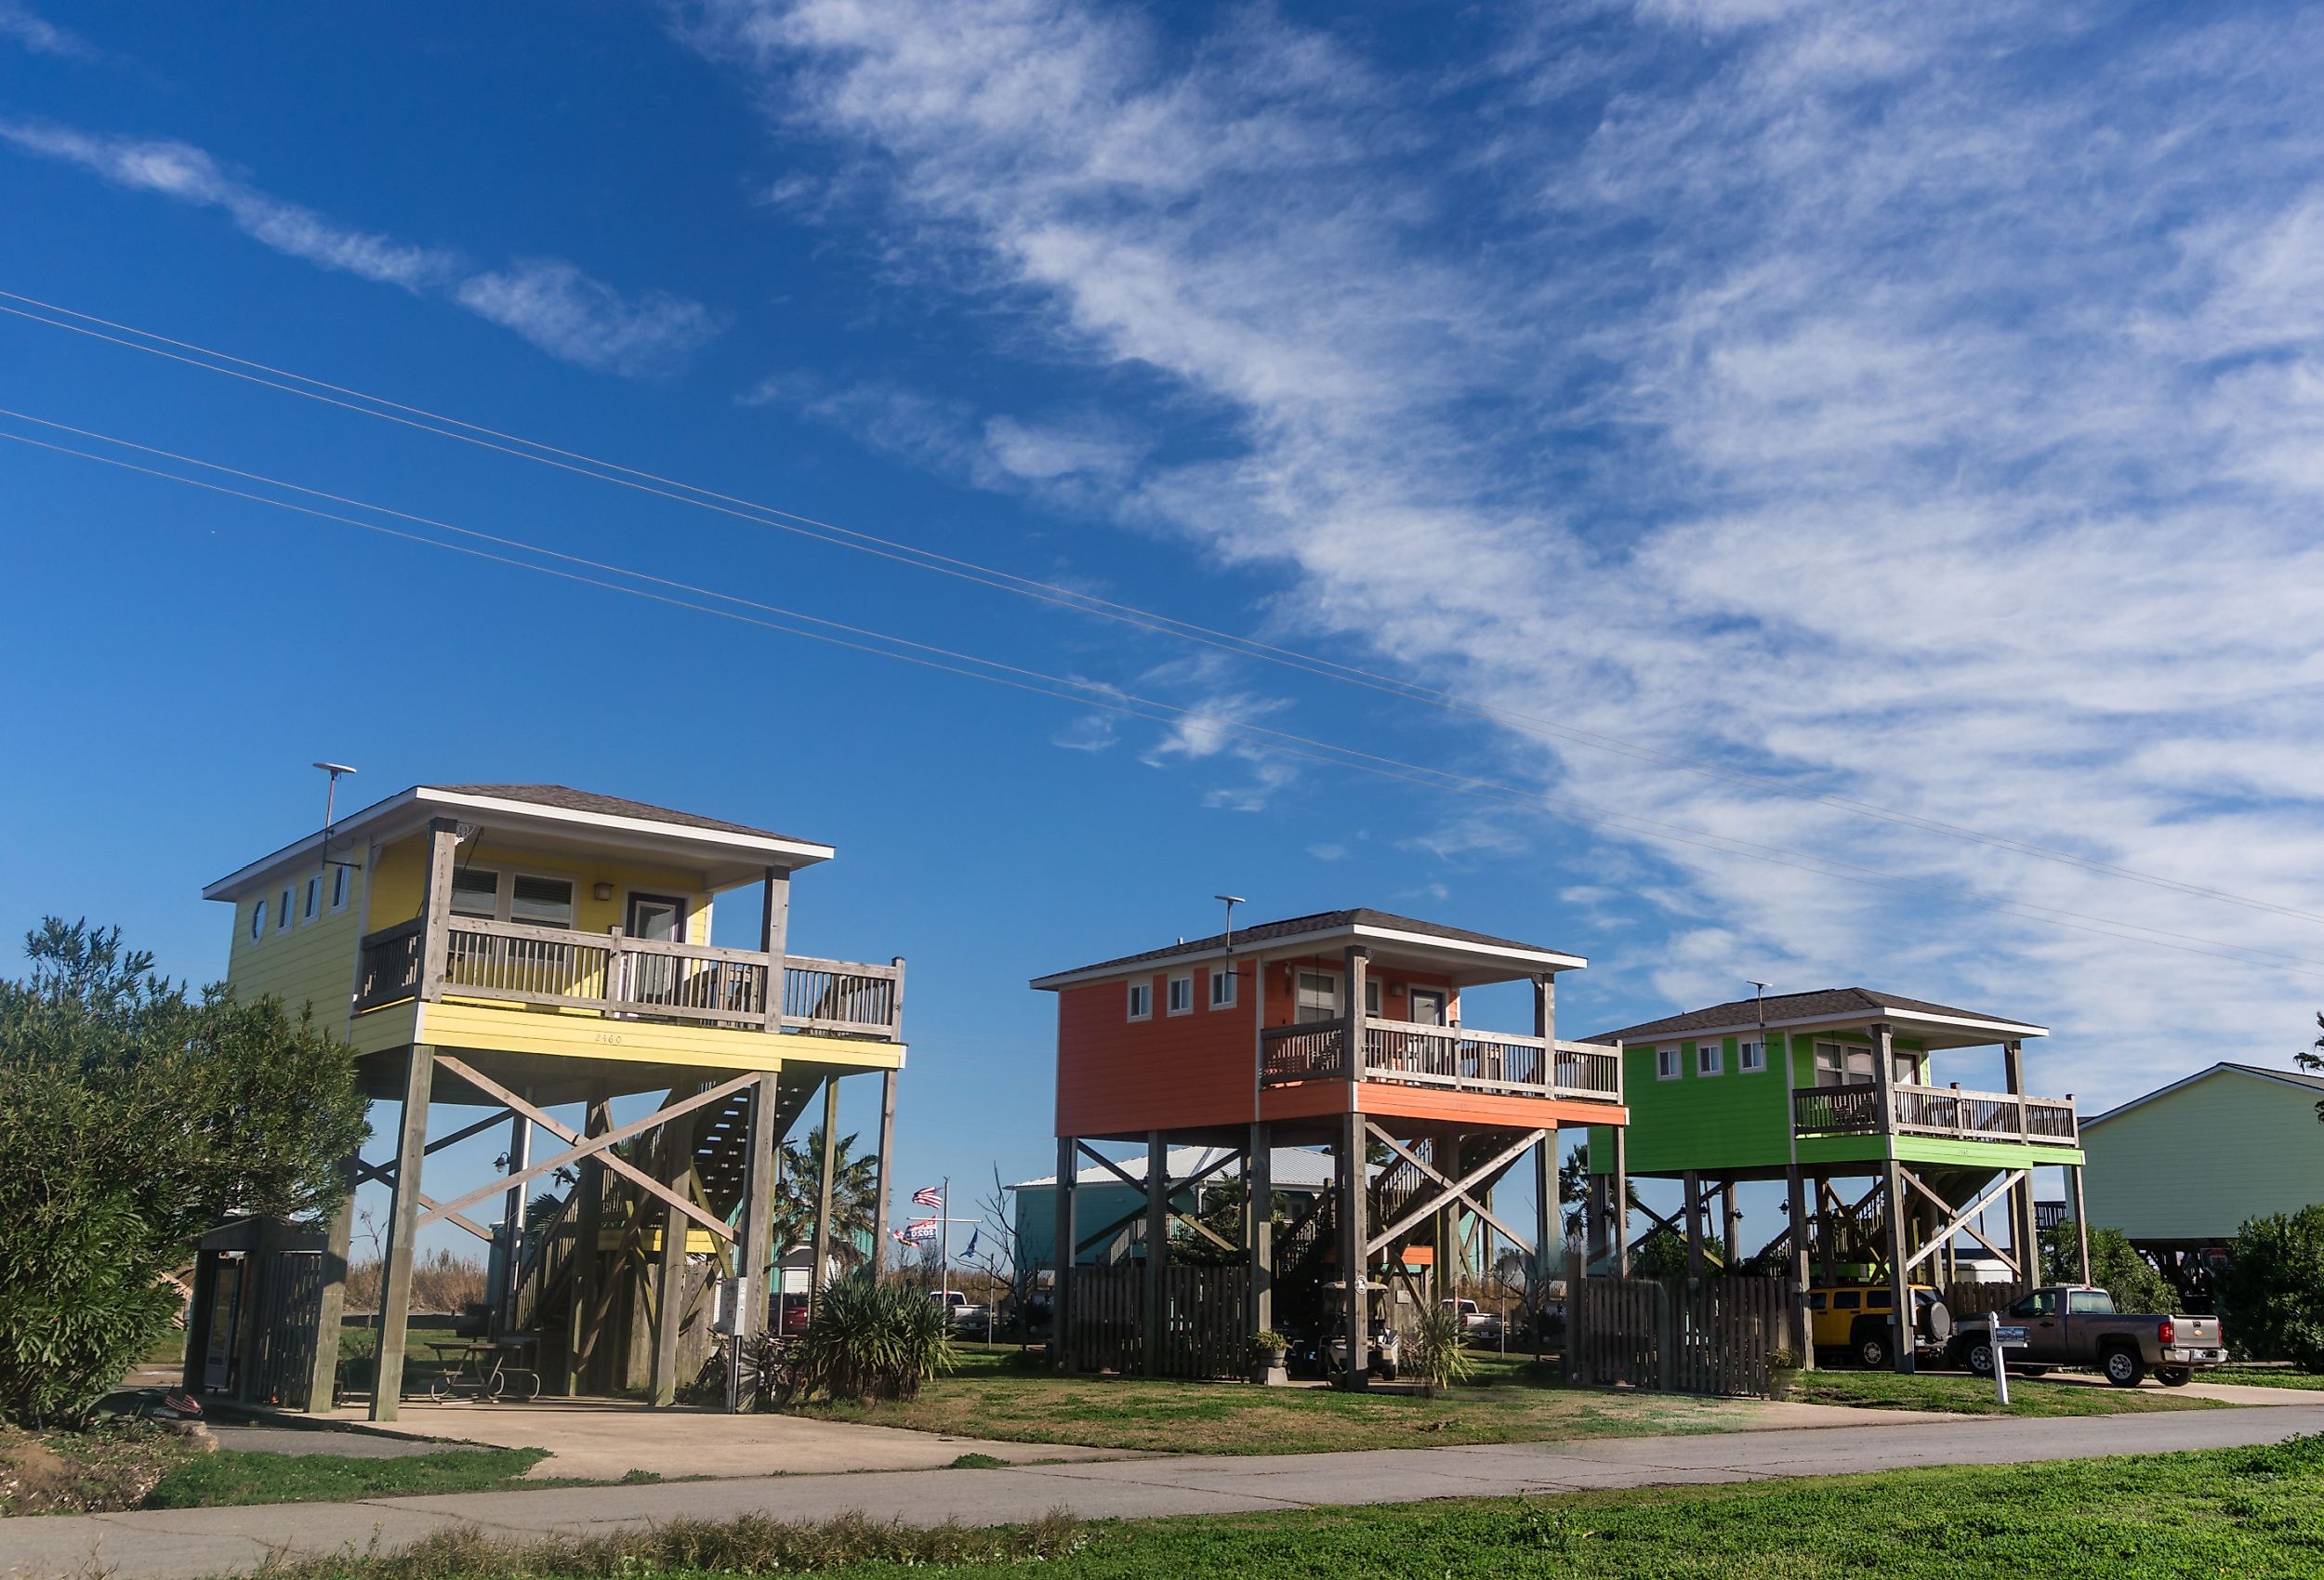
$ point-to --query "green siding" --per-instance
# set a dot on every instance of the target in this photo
(2196, 1163)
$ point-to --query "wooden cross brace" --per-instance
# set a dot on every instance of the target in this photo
(1962, 1221)
(1169, 1186)
(385, 1174)
(600, 1147)
(1451, 1190)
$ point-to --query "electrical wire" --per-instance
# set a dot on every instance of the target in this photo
(584, 465)
(1088, 694)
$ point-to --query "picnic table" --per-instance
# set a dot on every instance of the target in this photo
(484, 1368)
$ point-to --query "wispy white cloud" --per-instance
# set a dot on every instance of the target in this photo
(21, 25)
(552, 303)
(1914, 403)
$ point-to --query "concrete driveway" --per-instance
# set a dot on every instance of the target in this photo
(182, 1545)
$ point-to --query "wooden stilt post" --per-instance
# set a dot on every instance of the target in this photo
(1063, 1246)
(1803, 1332)
(1549, 1219)
(1354, 1233)
(819, 1271)
(674, 1141)
(1692, 1183)
(1157, 1247)
(395, 1285)
(1260, 1229)
(331, 1307)
(756, 1254)
(2081, 1226)
(588, 1262)
(1619, 1211)
(886, 1196)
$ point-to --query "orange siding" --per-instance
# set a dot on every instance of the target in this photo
(1117, 1076)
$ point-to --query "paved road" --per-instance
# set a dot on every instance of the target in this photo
(160, 1544)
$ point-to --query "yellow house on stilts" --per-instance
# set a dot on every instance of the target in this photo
(515, 949)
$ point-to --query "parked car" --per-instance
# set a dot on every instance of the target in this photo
(963, 1314)
(1861, 1319)
(1483, 1327)
(2076, 1324)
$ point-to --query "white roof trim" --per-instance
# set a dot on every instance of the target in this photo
(1854, 1018)
(2225, 1067)
(793, 852)
(1295, 945)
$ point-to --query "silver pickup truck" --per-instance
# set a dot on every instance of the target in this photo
(2069, 1324)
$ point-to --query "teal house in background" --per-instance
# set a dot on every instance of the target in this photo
(1111, 1211)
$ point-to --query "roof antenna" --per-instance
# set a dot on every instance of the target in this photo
(330, 806)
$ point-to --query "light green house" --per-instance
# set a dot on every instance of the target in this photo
(1818, 1088)
(2181, 1170)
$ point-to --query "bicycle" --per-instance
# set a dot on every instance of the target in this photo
(767, 1381)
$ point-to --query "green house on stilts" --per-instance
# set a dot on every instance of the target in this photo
(1836, 1093)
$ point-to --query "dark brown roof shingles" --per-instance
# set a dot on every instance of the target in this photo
(572, 800)
(1321, 921)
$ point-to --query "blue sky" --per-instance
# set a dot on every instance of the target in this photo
(1871, 405)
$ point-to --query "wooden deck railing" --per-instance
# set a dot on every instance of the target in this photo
(1411, 1053)
(633, 977)
(1934, 1111)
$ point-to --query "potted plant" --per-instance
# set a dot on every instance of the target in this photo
(1267, 1349)
(1783, 1371)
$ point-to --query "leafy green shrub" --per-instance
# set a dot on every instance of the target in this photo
(872, 1339)
(2115, 1267)
(1267, 1347)
(2271, 1294)
(1436, 1350)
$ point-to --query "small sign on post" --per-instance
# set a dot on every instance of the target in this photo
(1998, 1341)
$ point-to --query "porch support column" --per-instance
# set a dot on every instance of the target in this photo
(775, 928)
(1354, 1234)
(1259, 1233)
(331, 1308)
(1802, 1333)
(1158, 1244)
(1549, 1222)
(1692, 1183)
(435, 937)
(2082, 1223)
(1359, 965)
(1064, 1246)
(820, 1273)
(884, 1198)
(512, 1223)
(676, 1142)
(588, 1262)
(756, 1253)
(1899, 1281)
(1618, 1210)
(395, 1283)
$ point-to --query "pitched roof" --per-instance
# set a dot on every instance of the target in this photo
(2289, 1077)
(1790, 1009)
(1262, 934)
(572, 800)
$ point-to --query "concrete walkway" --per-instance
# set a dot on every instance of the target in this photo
(181, 1545)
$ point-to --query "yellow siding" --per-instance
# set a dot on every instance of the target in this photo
(311, 964)
(512, 1029)
(402, 877)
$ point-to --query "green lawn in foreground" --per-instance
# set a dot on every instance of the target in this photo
(230, 1477)
(2239, 1512)
(991, 1395)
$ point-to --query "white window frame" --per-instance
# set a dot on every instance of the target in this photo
(1669, 1065)
(1371, 997)
(1751, 1056)
(289, 916)
(1848, 1054)
(1170, 1002)
(1711, 1058)
(342, 886)
(1225, 987)
(257, 920)
(1141, 997)
(500, 894)
(311, 910)
(508, 899)
(1339, 995)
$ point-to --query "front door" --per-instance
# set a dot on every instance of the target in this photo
(657, 918)
(1427, 1005)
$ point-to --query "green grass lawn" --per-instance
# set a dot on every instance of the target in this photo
(991, 1395)
(1959, 1393)
(232, 1476)
(2263, 1376)
(2239, 1512)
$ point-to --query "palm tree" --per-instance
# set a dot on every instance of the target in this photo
(855, 1197)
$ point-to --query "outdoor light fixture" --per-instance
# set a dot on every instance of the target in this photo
(602, 890)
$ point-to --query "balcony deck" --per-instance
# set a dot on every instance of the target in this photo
(633, 979)
(1453, 1058)
(1946, 1111)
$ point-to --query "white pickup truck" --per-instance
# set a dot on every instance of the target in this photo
(2072, 1325)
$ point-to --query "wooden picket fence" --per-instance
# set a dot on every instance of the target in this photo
(1205, 1330)
(1714, 1335)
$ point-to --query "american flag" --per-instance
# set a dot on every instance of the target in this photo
(920, 1232)
(928, 1196)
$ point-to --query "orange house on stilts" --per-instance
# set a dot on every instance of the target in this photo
(1341, 1030)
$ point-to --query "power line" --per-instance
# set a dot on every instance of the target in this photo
(584, 465)
(1098, 695)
